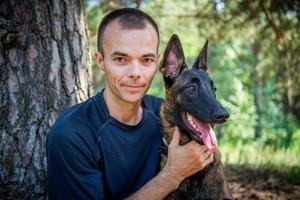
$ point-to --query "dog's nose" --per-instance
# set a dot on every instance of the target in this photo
(221, 115)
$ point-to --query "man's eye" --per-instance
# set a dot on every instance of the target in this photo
(148, 60)
(119, 59)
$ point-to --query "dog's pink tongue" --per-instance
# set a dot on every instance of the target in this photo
(208, 135)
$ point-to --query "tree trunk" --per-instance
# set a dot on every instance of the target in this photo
(256, 84)
(288, 101)
(257, 101)
(45, 68)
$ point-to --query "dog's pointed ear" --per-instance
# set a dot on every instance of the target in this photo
(173, 62)
(201, 61)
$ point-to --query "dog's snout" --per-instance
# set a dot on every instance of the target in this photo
(221, 115)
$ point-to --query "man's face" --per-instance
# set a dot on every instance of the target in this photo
(129, 61)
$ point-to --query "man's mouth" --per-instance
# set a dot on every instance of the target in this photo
(134, 88)
(201, 132)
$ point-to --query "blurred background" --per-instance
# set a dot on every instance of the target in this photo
(254, 60)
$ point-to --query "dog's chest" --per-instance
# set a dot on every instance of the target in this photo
(206, 184)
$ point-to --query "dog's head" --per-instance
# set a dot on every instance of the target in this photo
(191, 102)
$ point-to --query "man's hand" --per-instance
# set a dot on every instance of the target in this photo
(184, 161)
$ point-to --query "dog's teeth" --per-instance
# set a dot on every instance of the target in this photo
(190, 119)
(194, 125)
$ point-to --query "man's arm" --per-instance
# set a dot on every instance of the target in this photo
(193, 158)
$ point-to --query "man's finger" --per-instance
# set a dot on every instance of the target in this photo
(205, 155)
(176, 137)
(209, 160)
(203, 148)
(210, 157)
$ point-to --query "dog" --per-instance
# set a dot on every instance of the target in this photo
(191, 105)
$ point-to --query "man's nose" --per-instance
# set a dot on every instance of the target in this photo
(135, 70)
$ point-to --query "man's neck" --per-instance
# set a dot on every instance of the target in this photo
(125, 112)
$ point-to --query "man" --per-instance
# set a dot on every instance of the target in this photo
(108, 146)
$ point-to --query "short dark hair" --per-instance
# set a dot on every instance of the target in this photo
(128, 18)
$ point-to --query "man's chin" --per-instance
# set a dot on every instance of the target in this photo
(133, 98)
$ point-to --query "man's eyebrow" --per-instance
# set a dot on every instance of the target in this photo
(149, 55)
(119, 53)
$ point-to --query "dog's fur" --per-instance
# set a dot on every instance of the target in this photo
(192, 91)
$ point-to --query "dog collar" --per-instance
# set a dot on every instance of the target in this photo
(165, 141)
(164, 147)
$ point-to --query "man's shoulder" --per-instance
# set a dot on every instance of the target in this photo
(75, 112)
(74, 125)
(76, 118)
(153, 103)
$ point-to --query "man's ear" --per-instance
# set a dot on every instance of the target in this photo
(173, 62)
(100, 60)
(157, 57)
(201, 61)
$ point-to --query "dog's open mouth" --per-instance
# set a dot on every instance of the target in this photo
(201, 132)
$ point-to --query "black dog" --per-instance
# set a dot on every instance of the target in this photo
(191, 105)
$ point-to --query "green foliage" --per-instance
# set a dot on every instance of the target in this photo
(261, 155)
(94, 16)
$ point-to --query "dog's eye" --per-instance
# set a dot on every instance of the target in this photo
(191, 88)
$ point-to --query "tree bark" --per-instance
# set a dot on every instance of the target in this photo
(45, 68)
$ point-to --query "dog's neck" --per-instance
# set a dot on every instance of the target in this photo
(184, 138)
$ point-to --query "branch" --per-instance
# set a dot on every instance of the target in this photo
(272, 24)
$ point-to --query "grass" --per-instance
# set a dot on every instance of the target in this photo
(259, 156)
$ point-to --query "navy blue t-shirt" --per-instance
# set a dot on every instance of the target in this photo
(91, 155)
